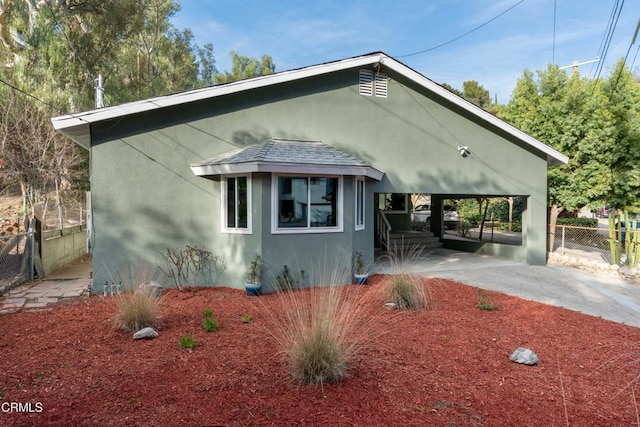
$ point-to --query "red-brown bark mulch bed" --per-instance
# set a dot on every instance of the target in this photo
(446, 366)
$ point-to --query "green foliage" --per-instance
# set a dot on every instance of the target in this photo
(209, 324)
(420, 225)
(486, 300)
(407, 292)
(187, 341)
(244, 67)
(596, 123)
(578, 222)
(615, 239)
(287, 281)
(463, 227)
(246, 318)
(358, 263)
(255, 269)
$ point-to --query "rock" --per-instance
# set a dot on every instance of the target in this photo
(390, 306)
(524, 356)
(145, 334)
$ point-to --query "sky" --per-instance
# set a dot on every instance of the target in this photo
(303, 33)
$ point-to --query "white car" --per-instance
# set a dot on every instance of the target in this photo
(421, 213)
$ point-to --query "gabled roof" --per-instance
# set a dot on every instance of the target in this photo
(287, 156)
(78, 126)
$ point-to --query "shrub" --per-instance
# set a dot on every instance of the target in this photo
(486, 301)
(210, 325)
(187, 341)
(323, 329)
(136, 310)
(184, 266)
(407, 291)
(403, 289)
(578, 222)
(287, 281)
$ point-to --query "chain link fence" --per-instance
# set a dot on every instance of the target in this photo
(586, 241)
(16, 260)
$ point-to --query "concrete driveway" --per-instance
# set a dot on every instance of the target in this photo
(609, 297)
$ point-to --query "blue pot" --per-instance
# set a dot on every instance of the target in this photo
(360, 279)
(252, 289)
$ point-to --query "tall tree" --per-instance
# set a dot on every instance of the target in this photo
(594, 123)
(244, 67)
(37, 158)
(473, 92)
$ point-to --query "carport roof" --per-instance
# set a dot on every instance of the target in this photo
(279, 155)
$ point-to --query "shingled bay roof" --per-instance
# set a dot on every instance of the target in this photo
(287, 156)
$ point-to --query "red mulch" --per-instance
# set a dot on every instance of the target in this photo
(447, 366)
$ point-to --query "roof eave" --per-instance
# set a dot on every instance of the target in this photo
(289, 168)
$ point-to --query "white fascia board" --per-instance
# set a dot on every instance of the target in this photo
(554, 157)
(84, 119)
(288, 168)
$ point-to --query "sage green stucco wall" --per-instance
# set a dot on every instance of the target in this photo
(145, 197)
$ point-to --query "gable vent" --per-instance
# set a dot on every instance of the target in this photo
(380, 85)
(366, 82)
(373, 83)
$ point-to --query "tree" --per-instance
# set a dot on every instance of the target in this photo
(592, 122)
(38, 158)
(244, 67)
(473, 92)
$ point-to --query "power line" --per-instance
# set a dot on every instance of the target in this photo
(461, 36)
(611, 28)
(624, 62)
(17, 89)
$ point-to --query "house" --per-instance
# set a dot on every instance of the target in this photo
(299, 166)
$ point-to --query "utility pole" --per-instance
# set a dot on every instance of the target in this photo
(99, 92)
(576, 64)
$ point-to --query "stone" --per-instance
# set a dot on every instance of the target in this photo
(145, 334)
(390, 306)
(524, 356)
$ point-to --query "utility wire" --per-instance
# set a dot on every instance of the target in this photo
(17, 89)
(460, 36)
(624, 62)
(613, 23)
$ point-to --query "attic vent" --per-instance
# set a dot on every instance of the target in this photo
(380, 85)
(366, 82)
(373, 83)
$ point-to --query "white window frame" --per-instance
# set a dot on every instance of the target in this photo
(360, 206)
(223, 206)
(306, 230)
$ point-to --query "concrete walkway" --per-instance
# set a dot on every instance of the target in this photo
(69, 282)
(609, 297)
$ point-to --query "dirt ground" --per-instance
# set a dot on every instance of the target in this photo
(448, 366)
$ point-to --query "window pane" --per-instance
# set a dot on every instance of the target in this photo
(359, 202)
(292, 202)
(323, 202)
(242, 202)
(231, 202)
